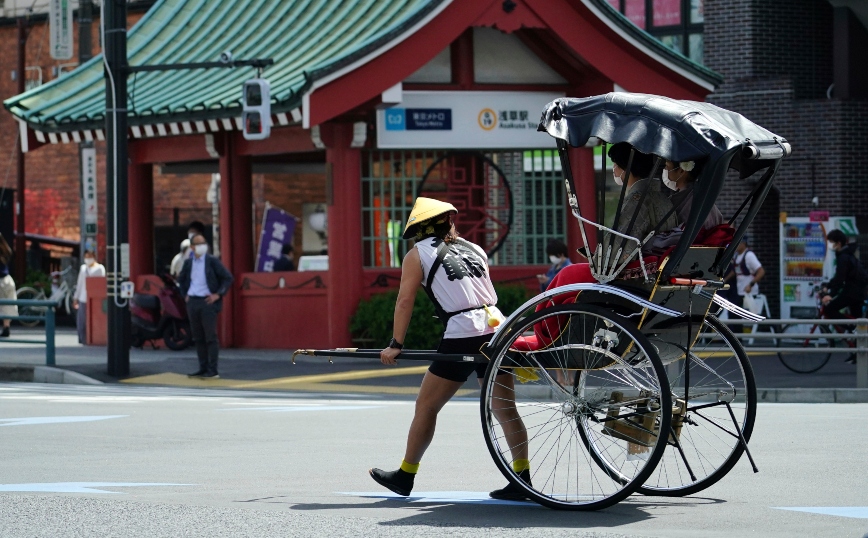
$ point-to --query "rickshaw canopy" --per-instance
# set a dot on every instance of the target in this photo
(672, 129)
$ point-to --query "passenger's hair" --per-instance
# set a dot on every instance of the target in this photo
(642, 162)
(837, 236)
(287, 248)
(556, 247)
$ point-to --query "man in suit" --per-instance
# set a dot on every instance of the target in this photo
(204, 281)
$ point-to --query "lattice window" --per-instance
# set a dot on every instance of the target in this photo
(479, 185)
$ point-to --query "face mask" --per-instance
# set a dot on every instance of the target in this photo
(554, 259)
(89, 261)
(672, 185)
(830, 245)
(201, 250)
(619, 180)
(190, 235)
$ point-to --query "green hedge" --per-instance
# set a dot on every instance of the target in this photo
(371, 325)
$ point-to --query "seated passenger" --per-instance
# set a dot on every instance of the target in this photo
(679, 177)
(653, 209)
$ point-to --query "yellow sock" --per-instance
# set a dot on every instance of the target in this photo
(411, 468)
(520, 465)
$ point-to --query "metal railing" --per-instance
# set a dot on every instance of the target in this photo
(860, 335)
(49, 318)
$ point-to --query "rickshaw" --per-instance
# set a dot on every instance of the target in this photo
(628, 382)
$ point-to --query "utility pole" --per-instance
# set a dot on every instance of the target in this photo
(20, 239)
(117, 249)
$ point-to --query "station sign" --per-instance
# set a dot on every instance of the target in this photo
(89, 194)
(467, 120)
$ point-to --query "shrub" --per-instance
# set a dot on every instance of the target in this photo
(371, 325)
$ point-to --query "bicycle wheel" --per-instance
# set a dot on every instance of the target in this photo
(30, 294)
(704, 444)
(805, 363)
(598, 388)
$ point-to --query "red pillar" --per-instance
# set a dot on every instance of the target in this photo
(582, 164)
(140, 195)
(236, 251)
(344, 229)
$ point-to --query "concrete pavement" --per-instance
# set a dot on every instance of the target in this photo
(117, 460)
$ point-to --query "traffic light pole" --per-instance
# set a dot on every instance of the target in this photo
(117, 156)
(117, 249)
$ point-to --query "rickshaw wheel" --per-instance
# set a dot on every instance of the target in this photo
(720, 372)
(599, 378)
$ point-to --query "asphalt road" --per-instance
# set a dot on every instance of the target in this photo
(119, 460)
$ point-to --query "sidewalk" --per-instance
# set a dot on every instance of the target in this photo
(272, 370)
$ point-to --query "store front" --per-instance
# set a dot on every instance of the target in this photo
(440, 100)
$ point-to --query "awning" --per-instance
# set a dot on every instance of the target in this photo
(308, 39)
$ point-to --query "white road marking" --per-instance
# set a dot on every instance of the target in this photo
(78, 487)
(28, 421)
(858, 512)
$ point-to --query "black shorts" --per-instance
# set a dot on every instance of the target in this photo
(460, 371)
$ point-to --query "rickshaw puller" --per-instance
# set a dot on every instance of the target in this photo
(455, 275)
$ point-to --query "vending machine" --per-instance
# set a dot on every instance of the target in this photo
(806, 262)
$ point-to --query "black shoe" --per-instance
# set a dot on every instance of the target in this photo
(400, 481)
(213, 375)
(199, 373)
(851, 359)
(5, 332)
(512, 492)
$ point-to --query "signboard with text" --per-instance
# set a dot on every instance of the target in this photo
(278, 228)
(60, 29)
(454, 119)
(88, 192)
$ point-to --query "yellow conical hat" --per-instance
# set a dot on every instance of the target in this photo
(424, 209)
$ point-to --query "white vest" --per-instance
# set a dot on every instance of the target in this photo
(461, 282)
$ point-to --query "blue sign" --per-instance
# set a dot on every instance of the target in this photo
(418, 119)
(429, 119)
(395, 119)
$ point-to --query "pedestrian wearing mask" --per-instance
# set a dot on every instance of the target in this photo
(195, 227)
(7, 285)
(748, 271)
(90, 268)
(557, 253)
(204, 281)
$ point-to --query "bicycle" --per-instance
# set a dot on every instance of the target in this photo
(807, 363)
(61, 293)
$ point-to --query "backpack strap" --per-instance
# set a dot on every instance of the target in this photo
(442, 314)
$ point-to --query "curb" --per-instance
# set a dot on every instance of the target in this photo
(44, 374)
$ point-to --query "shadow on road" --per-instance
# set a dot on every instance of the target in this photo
(506, 515)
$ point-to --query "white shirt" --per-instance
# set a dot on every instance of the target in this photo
(753, 265)
(198, 282)
(85, 272)
(178, 263)
(461, 282)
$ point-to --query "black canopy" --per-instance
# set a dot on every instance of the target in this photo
(673, 129)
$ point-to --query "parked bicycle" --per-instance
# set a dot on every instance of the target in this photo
(61, 293)
(806, 363)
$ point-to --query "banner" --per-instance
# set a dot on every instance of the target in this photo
(278, 227)
(60, 29)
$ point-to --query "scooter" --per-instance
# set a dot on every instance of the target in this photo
(161, 316)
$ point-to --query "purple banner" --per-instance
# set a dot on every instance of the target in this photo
(278, 227)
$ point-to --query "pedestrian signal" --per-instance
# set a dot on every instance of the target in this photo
(256, 112)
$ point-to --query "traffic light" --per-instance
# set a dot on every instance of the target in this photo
(256, 113)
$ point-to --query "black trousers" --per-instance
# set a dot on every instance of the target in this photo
(852, 301)
(203, 325)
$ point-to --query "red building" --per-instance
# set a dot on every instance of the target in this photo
(373, 103)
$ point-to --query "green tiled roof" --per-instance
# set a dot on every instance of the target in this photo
(307, 39)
